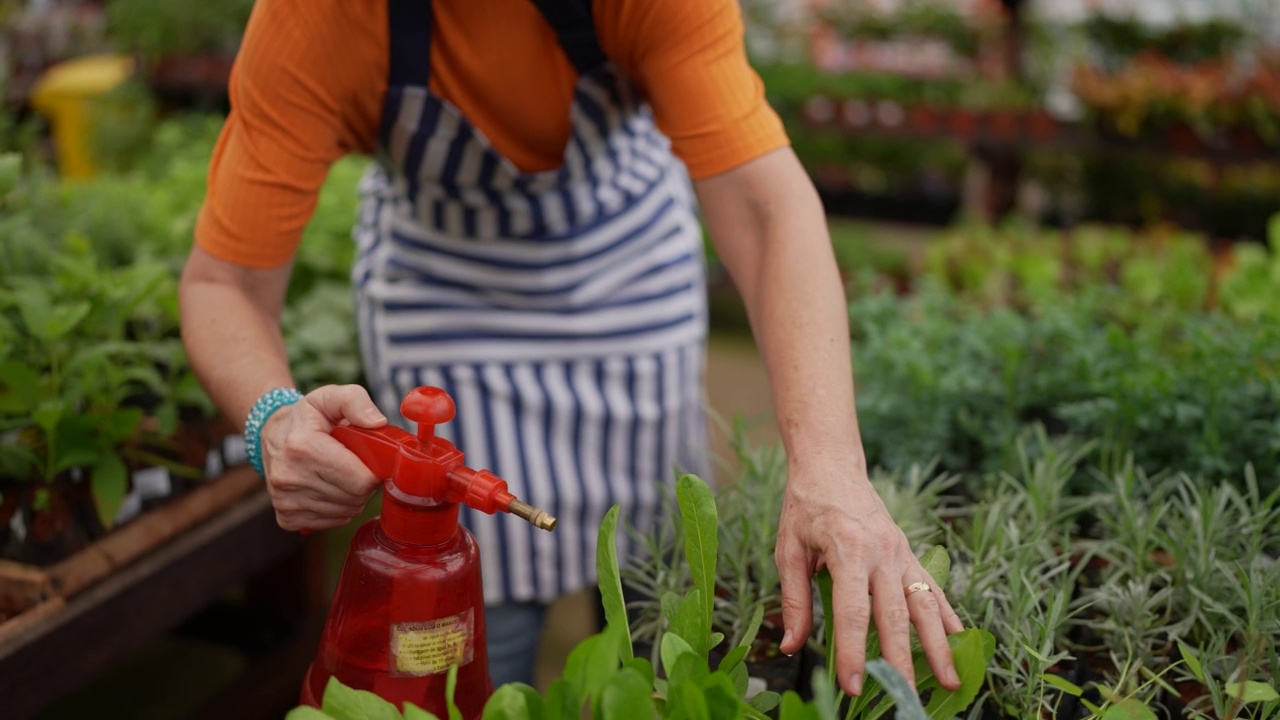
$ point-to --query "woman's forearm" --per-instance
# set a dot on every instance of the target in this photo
(773, 238)
(231, 331)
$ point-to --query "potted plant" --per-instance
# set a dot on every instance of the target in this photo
(93, 385)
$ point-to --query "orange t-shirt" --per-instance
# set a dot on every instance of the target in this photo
(308, 87)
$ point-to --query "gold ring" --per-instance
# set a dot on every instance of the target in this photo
(916, 587)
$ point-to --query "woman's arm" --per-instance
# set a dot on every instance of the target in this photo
(769, 228)
(231, 331)
(296, 107)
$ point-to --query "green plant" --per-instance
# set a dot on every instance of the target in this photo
(972, 650)
(603, 678)
(1249, 288)
(941, 378)
(88, 353)
(156, 29)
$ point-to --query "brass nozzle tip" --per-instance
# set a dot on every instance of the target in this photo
(540, 519)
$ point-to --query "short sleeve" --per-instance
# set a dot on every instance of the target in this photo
(690, 60)
(296, 108)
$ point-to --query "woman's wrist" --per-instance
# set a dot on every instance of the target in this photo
(262, 410)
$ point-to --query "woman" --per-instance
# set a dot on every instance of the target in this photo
(528, 241)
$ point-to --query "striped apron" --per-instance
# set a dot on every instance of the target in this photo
(564, 311)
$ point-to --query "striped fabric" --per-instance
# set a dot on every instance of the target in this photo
(564, 311)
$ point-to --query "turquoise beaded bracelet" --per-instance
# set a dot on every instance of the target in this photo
(270, 402)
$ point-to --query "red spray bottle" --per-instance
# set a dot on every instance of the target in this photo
(409, 603)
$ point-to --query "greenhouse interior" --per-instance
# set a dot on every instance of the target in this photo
(663, 342)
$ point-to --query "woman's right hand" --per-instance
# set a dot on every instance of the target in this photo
(315, 482)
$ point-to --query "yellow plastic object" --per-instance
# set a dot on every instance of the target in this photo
(63, 94)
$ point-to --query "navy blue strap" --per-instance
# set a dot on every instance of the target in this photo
(572, 21)
(409, 23)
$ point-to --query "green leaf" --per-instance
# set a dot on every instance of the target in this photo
(1193, 663)
(50, 321)
(626, 695)
(562, 701)
(18, 462)
(609, 579)
(10, 172)
(753, 628)
(306, 712)
(1251, 691)
(823, 579)
(937, 563)
(594, 661)
(738, 675)
(21, 388)
(110, 483)
(905, 699)
(765, 701)
(971, 651)
(825, 699)
(1062, 684)
(49, 414)
(689, 624)
(693, 702)
(723, 703)
(714, 639)
(347, 703)
(734, 658)
(413, 712)
(167, 419)
(642, 666)
(701, 541)
(507, 703)
(671, 603)
(793, 708)
(1129, 709)
(450, 686)
(689, 669)
(672, 648)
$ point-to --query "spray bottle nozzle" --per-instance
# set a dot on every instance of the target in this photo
(429, 467)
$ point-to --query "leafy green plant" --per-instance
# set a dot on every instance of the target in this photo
(1249, 288)
(88, 354)
(158, 29)
(941, 378)
(972, 650)
(604, 678)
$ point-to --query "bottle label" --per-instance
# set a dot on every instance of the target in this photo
(432, 647)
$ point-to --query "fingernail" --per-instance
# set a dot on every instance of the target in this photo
(952, 677)
(855, 683)
(786, 640)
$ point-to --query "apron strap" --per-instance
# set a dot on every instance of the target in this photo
(576, 30)
(410, 23)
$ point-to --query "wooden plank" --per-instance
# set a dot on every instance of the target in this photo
(125, 545)
(37, 614)
(22, 587)
(44, 661)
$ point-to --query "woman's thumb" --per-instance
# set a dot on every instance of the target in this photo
(347, 402)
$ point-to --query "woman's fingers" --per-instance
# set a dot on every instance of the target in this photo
(315, 481)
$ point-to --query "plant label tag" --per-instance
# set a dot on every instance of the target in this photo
(18, 527)
(151, 483)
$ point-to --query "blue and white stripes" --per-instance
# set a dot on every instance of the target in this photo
(573, 438)
(564, 311)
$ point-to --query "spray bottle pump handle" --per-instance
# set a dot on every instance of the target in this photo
(428, 466)
(428, 407)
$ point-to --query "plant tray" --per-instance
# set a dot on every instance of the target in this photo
(29, 593)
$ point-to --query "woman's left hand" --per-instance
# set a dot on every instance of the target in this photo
(833, 521)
